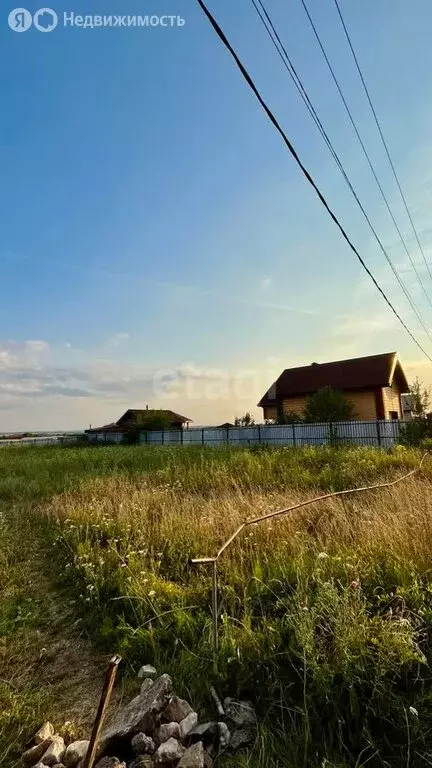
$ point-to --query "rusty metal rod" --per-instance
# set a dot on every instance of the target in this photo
(101, 712)
(278, 512)
(215, 606)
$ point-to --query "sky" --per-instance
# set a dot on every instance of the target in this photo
(158, 245)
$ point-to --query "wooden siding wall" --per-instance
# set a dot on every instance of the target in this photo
(295, 405)
(270, 412)
(363, 403)
(391, 401)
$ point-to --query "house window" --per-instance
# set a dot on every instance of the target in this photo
(393, 415)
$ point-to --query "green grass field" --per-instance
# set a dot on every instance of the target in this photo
(325, 615)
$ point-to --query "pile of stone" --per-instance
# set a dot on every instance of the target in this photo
(155, 730)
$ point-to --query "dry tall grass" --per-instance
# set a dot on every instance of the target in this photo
(389, 525)
(325, 614)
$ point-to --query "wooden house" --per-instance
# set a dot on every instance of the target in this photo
(373, 385)
(114, 433)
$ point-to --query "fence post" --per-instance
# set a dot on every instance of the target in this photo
(259, 433)
(163, 437)
(202, 436)
(181, 435)
(227, 434)
(146, 437)
(378, 432)
(294, 435)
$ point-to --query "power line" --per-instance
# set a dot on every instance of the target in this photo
(304, 170)
(382, 136)
(341, 94)
(281, 50)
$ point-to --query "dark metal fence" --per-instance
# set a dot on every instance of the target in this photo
(376, 433)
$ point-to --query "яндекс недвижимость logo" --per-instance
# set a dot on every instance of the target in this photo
(45, 19)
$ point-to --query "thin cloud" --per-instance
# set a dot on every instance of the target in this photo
(185, 288)
(362, 325)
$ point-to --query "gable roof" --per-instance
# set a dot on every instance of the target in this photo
(356, 373)
(133, 414)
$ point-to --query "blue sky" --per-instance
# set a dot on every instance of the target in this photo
(153, 224)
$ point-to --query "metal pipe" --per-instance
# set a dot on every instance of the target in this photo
(215, 607)
(234, 536)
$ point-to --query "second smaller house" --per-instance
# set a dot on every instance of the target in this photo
(407, 407)
(115, 432)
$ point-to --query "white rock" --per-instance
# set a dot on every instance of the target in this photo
(55, 752)
(187, 724)
(168, 731)
(75, 752)
(45, 732)
(193, 757)
(141, 714)
(169, 752)
(146, 685)
(177, 710)
(147, 671)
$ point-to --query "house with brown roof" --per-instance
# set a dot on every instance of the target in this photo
(132, 418)
(373, 385)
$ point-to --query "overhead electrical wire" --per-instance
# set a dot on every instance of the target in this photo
(382, 136)
(286, 60)
(366, 153)
(304, 170)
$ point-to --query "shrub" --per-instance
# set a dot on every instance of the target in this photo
(154, 420)
(288, 417)
(415, 432)
(328, 405)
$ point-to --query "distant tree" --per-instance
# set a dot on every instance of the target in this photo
(328, 405)
(146, 422)
(244, 421)
(420, 399)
